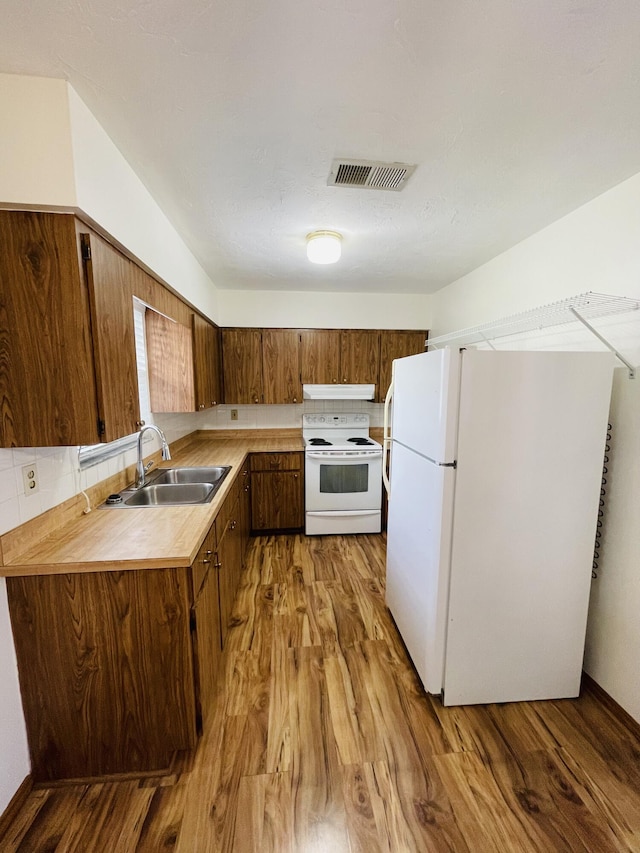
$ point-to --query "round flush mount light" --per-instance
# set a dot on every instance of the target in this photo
(324, 247)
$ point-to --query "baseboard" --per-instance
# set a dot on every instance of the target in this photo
(616, 710)
(17, 801)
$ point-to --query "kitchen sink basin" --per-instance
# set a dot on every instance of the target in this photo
(213, 475)
(171, 494)
(172, 487)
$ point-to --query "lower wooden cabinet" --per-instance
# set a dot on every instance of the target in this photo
(205, 627)
(106, 672)
(230, 552)
(118, 670)
(277, 491)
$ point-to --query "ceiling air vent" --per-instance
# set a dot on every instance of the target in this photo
(369, 174)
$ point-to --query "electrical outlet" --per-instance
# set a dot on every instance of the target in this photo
(234, 414)
(30, 479)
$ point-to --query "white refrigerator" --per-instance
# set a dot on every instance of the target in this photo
(495, 474)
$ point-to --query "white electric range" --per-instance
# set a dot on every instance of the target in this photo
(343, 475)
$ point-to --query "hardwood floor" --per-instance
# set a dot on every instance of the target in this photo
(322, 740)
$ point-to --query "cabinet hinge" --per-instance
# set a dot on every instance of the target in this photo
(102, 428)
(85, 247)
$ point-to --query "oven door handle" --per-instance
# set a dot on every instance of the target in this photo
(386, 439)
(337, 456)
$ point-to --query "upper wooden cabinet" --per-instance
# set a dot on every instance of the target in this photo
(206, 363)
(184, 363)
(68, 370)
(170, 364)
(110, 278)
(281, 366)
(396, 344)
(346, 356)
(320, 356)
(242, 365)
(359, 357)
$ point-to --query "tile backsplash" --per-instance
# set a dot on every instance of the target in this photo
(60, 478)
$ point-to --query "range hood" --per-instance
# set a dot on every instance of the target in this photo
(338, 392)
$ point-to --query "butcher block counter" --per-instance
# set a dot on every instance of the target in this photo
(65, 540)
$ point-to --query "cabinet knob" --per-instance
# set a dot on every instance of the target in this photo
(334, 380)
(214, 403)
(140, 424)
(217, 565)
(208, 553)
(295, 399)
(201, 406)
(206, 561)
(295, 476)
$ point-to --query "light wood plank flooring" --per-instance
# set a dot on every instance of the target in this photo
(322, 741)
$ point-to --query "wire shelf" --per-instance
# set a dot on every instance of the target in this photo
(591, 306)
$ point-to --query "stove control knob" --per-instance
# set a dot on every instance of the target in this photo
(320, 420)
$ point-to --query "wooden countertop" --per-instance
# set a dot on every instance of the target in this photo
(65, 540)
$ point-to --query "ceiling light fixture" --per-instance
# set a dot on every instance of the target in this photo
(324, 247)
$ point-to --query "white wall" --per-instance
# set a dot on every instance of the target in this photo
(597, 248)
(36, 162)
(324, 310)
(109, 191)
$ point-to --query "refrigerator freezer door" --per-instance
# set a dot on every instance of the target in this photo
(418, 552)
(530, 449)
(425, 403)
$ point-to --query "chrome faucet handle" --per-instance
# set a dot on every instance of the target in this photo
(147, 466)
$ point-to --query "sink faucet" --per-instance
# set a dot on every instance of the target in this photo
(166, 453)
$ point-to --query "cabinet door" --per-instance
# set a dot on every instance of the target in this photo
(320, 356)
(206, 363)
(206, 630)
(229, 566)
(170, 364)
(277, 500)
(242, 365)
(106, 670)
(359, 357)
(245, 510)
(47, 381)
(110, 278)
(395, 344)
(281, 366)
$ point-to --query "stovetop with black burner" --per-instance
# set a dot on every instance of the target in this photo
(338, 432)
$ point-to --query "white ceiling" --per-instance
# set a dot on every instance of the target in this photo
(516, 112)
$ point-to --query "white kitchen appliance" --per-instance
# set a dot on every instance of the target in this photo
(343, 474)
(496, 465)
(338, 391)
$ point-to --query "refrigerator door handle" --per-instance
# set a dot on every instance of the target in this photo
(386, 439)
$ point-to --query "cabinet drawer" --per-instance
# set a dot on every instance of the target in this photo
(276, 461)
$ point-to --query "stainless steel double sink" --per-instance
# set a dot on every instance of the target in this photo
(172, 487)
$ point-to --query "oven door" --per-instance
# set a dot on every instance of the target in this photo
(343, 480)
